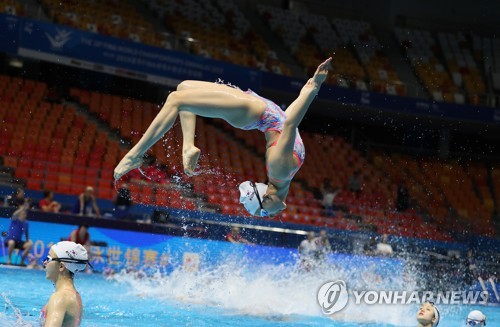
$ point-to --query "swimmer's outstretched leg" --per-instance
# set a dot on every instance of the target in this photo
(160, 125)
(234, 106)
(190, 153)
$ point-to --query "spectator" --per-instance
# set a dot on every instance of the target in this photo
(234, 236)
(328, 195)
(323, 246)
(86, 203)
(123, 202)
(18, 227)
(80, 235)
(476, 318)
(16, 199)
(47, 204)
(428, 315)
(354, 184)
(384, 248)
(402, 201)
(308, 252)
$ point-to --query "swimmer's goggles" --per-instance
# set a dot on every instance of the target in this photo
(68, 260)
(472, 322)
(263, 212)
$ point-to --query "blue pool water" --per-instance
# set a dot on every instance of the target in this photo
(225, 298)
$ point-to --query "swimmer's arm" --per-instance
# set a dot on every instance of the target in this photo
(281, 158)
(56, 309)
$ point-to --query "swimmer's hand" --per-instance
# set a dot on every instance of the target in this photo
(320, 74)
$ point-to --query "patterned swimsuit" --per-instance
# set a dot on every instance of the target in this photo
(272, 119)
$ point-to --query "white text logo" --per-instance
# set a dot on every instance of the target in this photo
(332, 297)
(60, 39)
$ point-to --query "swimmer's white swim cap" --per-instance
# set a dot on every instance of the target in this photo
(71, 251)
(437, 314)
(476, 315)
(248, 197)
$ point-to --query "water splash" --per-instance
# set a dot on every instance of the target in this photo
(15, 319)
(265, 291)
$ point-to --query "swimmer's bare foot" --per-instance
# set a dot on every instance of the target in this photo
(190, 159)
(127, 164)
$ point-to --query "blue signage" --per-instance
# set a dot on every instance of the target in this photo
(117, 249)
(88, 50)
(9, 37)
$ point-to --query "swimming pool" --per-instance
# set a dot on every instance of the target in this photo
(222, 298)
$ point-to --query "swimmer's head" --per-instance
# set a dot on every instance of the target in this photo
(65, 255)
(476, 318)
(427, 314)
(257, 202)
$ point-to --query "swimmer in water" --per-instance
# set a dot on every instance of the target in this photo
(65, 305)
(428, 315)
(245, 110)
(475, 318)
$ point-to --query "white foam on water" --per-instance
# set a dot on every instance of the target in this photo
(265, 291)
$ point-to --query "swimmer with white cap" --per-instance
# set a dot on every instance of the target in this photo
(285, 151)
(475, 318)
(428, 315)
(253, 197)
(65, 305)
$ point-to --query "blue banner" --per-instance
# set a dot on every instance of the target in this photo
(88, 50)
(119, 249)
(9, 36)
